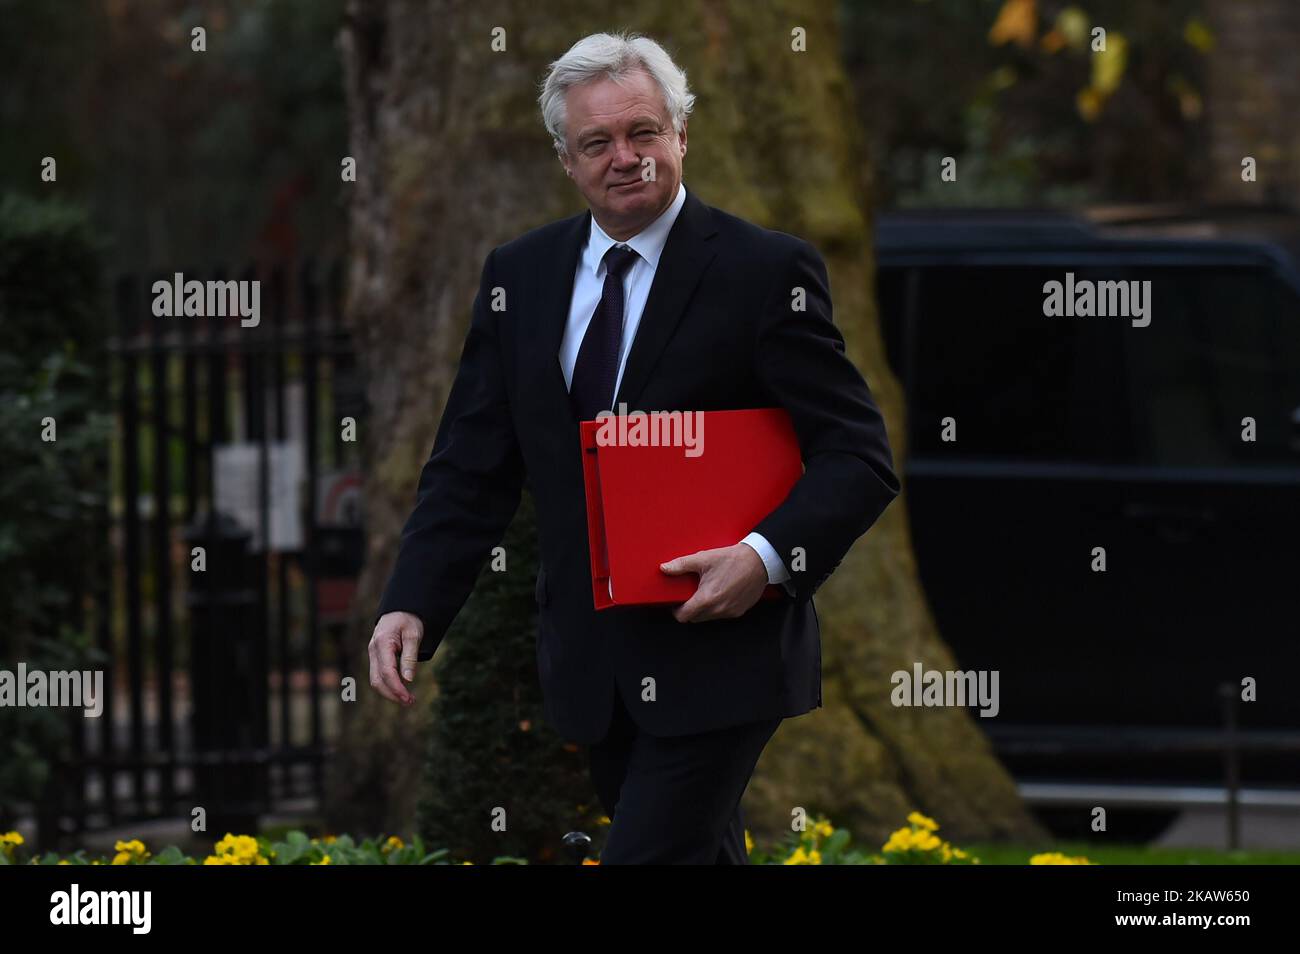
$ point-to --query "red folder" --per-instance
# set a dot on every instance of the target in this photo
(647, 504)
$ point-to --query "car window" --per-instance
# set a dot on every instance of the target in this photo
(1223, 344)
(1020, 385)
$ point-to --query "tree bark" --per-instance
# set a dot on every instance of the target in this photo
(453, 160)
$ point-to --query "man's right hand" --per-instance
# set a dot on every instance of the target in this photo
(396, 641)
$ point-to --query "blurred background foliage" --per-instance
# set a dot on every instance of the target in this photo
(1013, 90)
(245, 164)
(234, 158)
(52, 372)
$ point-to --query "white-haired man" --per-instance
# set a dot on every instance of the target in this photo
(653, 299)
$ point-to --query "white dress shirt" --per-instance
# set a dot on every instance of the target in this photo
(589, 282)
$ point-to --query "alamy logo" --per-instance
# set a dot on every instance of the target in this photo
(103, 907)
(653, 429)
(933, 687)
(1087, 299)
(36, 689)
(195, 299)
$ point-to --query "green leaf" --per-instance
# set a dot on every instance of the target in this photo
(171, 855)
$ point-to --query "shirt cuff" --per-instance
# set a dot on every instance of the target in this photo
(776, 571)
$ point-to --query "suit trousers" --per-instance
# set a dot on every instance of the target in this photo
(676, 799)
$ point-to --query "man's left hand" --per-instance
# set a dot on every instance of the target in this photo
(731, 581)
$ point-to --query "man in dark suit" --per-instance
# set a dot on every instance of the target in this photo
(653, 299)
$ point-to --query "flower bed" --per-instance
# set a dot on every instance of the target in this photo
(820, 844)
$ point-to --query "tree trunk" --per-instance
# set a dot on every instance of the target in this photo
(452, 160)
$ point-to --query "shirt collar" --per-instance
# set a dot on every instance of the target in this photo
(648, 243)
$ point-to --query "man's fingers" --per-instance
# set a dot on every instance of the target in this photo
(383, 668)
(388, 672)
(694, 608)
(375, 682)
(690, 563)
(700, 603)
(410, 652)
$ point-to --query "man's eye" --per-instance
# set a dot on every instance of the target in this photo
(645, 132)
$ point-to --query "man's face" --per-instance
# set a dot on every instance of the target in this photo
(614, 131)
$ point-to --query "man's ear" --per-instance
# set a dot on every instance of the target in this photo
(567, 171)
(682, 135)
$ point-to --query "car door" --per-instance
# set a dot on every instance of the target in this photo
(1210, 522)
(1009, 414)
(1077, 433)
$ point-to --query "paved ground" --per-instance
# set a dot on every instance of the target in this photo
(1261, 828)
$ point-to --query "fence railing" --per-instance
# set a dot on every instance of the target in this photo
(229, 541)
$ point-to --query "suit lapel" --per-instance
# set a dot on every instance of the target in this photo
(556, 292)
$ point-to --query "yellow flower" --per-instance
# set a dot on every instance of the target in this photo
(749, 842)
(926, 842)
(324, 861)
(603, 820)
(919, 836)
(239, 850)
(329, 839)
(921, 821)
(64, 861)
(1057, 858)
(129, 852)
(901, 840)
(11, 838)
(823, 829)
(392, 844)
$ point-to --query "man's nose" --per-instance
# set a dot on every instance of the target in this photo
(624, 155)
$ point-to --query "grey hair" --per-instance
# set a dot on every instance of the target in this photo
(612, 55)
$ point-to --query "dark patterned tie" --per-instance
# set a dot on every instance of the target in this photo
(594, 373)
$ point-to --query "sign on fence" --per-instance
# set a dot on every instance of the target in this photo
(237, 480)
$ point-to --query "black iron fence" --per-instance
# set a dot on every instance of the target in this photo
(230, 543)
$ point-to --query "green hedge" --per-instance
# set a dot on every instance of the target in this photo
(52, 365)
(490, 745)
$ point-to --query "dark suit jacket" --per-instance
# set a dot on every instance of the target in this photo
(718, 332)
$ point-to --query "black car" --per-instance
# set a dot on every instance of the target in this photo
(1033, 440)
